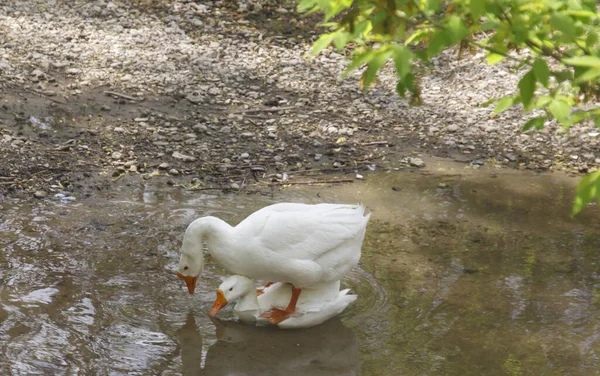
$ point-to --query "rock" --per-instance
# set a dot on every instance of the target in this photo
(116, 155)
(337, 165)
(416, 162)
(40, 194)
(163, 166)
(235, 186)
(37, 73)
(119, 130)
(244, 156)
(225, 129)
(272, 135)
(72, 71)
(452, 128)
(133, 168)
(318, 157)
(173, 172)
(183, 157)
(200, 128)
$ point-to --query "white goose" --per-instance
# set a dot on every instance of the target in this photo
(304, 245)
(314, 306)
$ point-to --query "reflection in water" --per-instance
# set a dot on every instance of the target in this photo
(461, 274)
(190, 341)
(241, 349)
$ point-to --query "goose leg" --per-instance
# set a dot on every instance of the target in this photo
(276, 315)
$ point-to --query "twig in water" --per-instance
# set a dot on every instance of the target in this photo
(14, 182)
(314, 182)
(374, 143)
(267, 109)
(119, 95)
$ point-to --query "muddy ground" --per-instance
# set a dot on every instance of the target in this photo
(220, 96)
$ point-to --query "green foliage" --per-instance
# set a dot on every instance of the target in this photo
(561, 71)
(587, 191)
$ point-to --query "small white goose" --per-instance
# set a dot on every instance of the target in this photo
(314, 307)
(304, 245)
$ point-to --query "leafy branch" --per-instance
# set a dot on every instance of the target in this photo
(562, 74)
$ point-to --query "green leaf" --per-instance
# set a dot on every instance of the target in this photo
(542, 72)
(432, 5)
(560, 110)
(456, 29)
(359, 60)
(583, 61)
(381, 56)
(589, 75)
(503, 104)
(527, 87)
(537, 122)
(438, 42)
(402, 56)
(542, 101)
(340, 39)
(406, 83)
(563, 23)
(321, 43)
(591, 39)
(477, 9)
(587, 190)
(493, 58)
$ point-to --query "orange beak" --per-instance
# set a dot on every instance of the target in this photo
(189, 281)
(220, 302)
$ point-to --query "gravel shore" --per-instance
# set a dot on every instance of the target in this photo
(221, 95)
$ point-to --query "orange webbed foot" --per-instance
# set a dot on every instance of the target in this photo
(276, 315)
(259, 292)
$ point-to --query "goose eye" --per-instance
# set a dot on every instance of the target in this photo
(231, 289)
(185, 267)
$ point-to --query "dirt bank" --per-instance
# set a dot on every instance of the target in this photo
(220, 95)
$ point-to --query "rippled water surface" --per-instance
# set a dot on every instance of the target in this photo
(464, 272)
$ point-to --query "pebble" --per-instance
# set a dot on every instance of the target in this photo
(235, 186)
(163, 166)
(416, 162)
(116, 155)
(244, 156)
(452, 128)
(183, 157)
(174, 172)
(40, 194)
(200, 128)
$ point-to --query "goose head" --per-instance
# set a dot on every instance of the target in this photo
(232, 289)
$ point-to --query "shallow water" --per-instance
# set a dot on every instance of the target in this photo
(464, 272)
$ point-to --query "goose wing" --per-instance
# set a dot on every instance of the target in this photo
(300, 231)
